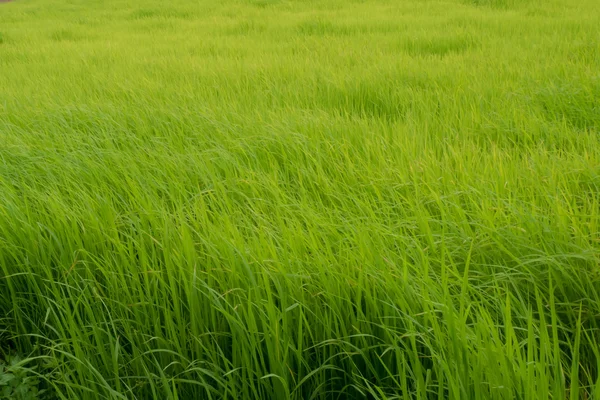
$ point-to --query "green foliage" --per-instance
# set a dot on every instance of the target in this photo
(17, 382)
(300, 199)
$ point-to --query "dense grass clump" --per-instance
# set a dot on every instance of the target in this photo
(300, 199)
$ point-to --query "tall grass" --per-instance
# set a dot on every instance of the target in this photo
(301, 200)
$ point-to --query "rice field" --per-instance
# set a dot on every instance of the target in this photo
(286, 199)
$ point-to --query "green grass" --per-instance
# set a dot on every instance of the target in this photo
(265, 199)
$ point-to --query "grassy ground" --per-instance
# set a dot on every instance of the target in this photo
(265, 199)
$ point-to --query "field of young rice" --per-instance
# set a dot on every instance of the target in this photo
(300, 199)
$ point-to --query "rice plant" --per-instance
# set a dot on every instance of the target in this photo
(281, 199)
